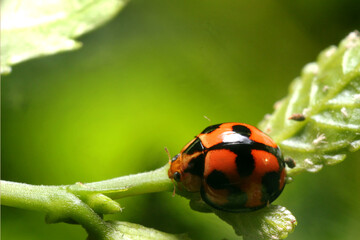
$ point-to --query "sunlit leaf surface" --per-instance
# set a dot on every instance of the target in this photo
(327, 95)
(31, 29)
(273, 222)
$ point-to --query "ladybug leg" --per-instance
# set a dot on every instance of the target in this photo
(174, 189)
(290, 162)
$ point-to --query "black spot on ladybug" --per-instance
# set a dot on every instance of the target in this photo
(245, 163)
(210, 129)
(242, 130)
(196, 165)
(196, 146)
(266, 148)
(271, 183)
(217, 180)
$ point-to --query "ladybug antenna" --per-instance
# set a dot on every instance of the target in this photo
(207, 118)
(168, 153)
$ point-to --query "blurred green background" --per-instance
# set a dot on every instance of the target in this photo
(145, 81)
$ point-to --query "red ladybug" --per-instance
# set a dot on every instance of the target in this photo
(235, 167)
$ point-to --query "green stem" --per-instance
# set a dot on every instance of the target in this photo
(72, 202)
(28, 196)
(56, 201)
(147, 182)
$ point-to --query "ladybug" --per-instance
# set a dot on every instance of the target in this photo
(235, 167)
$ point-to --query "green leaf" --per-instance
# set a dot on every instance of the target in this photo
(327, 94)
(273, 222)
(126, 230)
(33, 29)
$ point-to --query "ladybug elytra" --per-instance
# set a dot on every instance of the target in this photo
(235, 167)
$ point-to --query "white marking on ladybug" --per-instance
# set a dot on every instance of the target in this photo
(229, 137)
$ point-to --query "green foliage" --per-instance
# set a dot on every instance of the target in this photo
(328, 95)
(125, 230)
(50, 27)
(273, 222)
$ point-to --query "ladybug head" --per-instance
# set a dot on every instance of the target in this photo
(179, 171)
(175, 168)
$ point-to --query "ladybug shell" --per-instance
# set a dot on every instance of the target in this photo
(235, 166)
